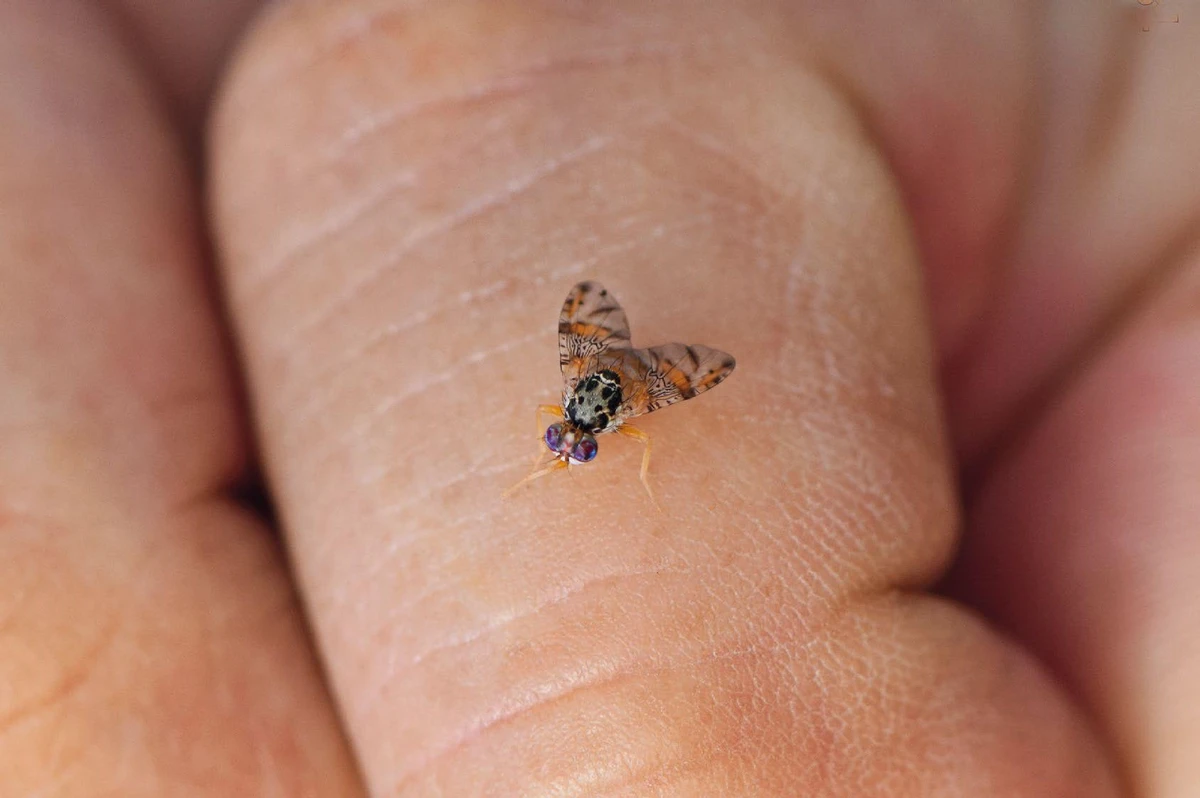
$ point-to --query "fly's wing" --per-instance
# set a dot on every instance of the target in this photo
(672, 373)
(591, 324)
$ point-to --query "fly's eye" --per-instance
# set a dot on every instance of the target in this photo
(554, 438)
(584, 449)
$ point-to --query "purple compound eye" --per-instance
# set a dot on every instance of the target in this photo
(584, 449)
(554, 438)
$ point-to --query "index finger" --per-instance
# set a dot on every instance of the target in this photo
(396, 263)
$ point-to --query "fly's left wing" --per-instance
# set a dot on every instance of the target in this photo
(591, 324)
(672, 373)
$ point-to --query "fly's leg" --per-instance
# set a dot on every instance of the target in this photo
(553, 465)
(544, 410)
(538, 469)
(644, 439)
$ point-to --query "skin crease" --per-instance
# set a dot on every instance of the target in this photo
(854, 203)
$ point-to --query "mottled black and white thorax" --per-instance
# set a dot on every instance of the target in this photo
(594, 403)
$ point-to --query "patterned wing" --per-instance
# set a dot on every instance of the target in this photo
(675, 372)
(592, 322)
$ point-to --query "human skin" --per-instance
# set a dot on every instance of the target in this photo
(934, 536)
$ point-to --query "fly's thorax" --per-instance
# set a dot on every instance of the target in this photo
(594, 404)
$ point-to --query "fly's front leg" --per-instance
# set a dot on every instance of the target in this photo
(644, 439)
(553, 465)
(544, 410)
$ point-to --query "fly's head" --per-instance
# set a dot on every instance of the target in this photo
(570, 443)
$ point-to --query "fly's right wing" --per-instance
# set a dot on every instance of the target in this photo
(673, 373)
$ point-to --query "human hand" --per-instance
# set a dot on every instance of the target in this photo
(853, 202)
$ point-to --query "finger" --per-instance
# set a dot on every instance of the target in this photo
(149, 640)
(395, 265)
(184, 46)
(1107, 208)
(1043, 155)
(1081, 538)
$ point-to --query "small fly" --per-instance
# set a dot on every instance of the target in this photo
(607, 383)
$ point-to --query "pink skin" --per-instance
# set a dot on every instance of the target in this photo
(887, 211)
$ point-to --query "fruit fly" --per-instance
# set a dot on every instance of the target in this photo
(607, 383)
